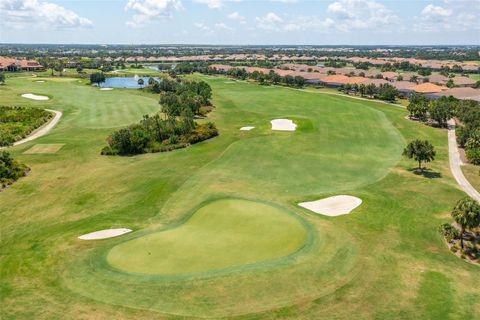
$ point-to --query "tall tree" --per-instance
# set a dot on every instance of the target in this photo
(420, 151)
(467, 214)
(418, 107)
(97, 77)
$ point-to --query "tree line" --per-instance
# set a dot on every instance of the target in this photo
(384, 91)
(438, 112)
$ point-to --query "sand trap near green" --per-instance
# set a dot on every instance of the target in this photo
(221, 234)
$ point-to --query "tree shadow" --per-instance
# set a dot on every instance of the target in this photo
(425, 172)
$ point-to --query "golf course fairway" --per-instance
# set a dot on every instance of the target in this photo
(198, 248)
(221, 234)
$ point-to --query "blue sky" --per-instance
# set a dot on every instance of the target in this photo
(322, 22)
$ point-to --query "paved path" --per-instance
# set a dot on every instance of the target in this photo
(456, 162)
(43, 130)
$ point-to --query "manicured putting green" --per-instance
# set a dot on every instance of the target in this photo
(222, 234)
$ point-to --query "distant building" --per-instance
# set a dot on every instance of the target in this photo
(459, 93)
(12, 65)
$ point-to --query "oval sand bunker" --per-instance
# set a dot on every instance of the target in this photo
(104, 234)
(246, 128)
(333, 206)
(106, 89)
(34, 96)
(283, 125)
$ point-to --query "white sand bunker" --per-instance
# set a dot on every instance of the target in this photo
(106, 89)
(40, 81)
(333, 206)
(104, 234)
(246, 128)
(283, 125)
(34, 96)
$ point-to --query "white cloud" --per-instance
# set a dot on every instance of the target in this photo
(223, 27)
(285, 1)
(361, 14)
(202, 26)
(302, 23)
(237, 17)
(148, 10)
(458, 15)
(219, 26)
(20, 14)
(270, 21)
(215, 4)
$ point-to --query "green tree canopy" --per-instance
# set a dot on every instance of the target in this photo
(420, 151)
(467, 214)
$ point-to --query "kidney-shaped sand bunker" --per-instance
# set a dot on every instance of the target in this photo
(221, 234)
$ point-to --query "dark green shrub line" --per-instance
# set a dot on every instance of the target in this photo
(18, 122)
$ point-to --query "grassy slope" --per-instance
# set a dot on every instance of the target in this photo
(380, 262)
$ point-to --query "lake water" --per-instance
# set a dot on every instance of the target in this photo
(125, 82)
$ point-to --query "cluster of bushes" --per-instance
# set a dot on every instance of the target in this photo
(385, 91)
(468, 132)
(176, 128)
(177, 95)
(466, 215)
(439, 111)
(10, 170)
(154, 134)
(436, 111)
(18, 122)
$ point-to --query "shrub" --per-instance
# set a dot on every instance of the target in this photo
(449, 232)
(203, 132)
(10, 169)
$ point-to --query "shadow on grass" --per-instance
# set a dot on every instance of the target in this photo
(427, 173)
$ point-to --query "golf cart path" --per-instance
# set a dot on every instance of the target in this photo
(42, 130)
(456, 162)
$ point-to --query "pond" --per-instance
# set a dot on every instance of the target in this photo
(125, 82)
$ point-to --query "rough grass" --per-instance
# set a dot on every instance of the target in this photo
(383, 261)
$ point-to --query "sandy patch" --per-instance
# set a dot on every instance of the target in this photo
(34, 96)
(246, 128)
(40, 81)
(333, 206)
(106, 89)
(104, 234)
(283, 125)
(45, 148)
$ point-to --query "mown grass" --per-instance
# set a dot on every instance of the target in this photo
(382, 261)
(221, 234)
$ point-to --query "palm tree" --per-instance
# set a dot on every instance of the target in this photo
(467, 214)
